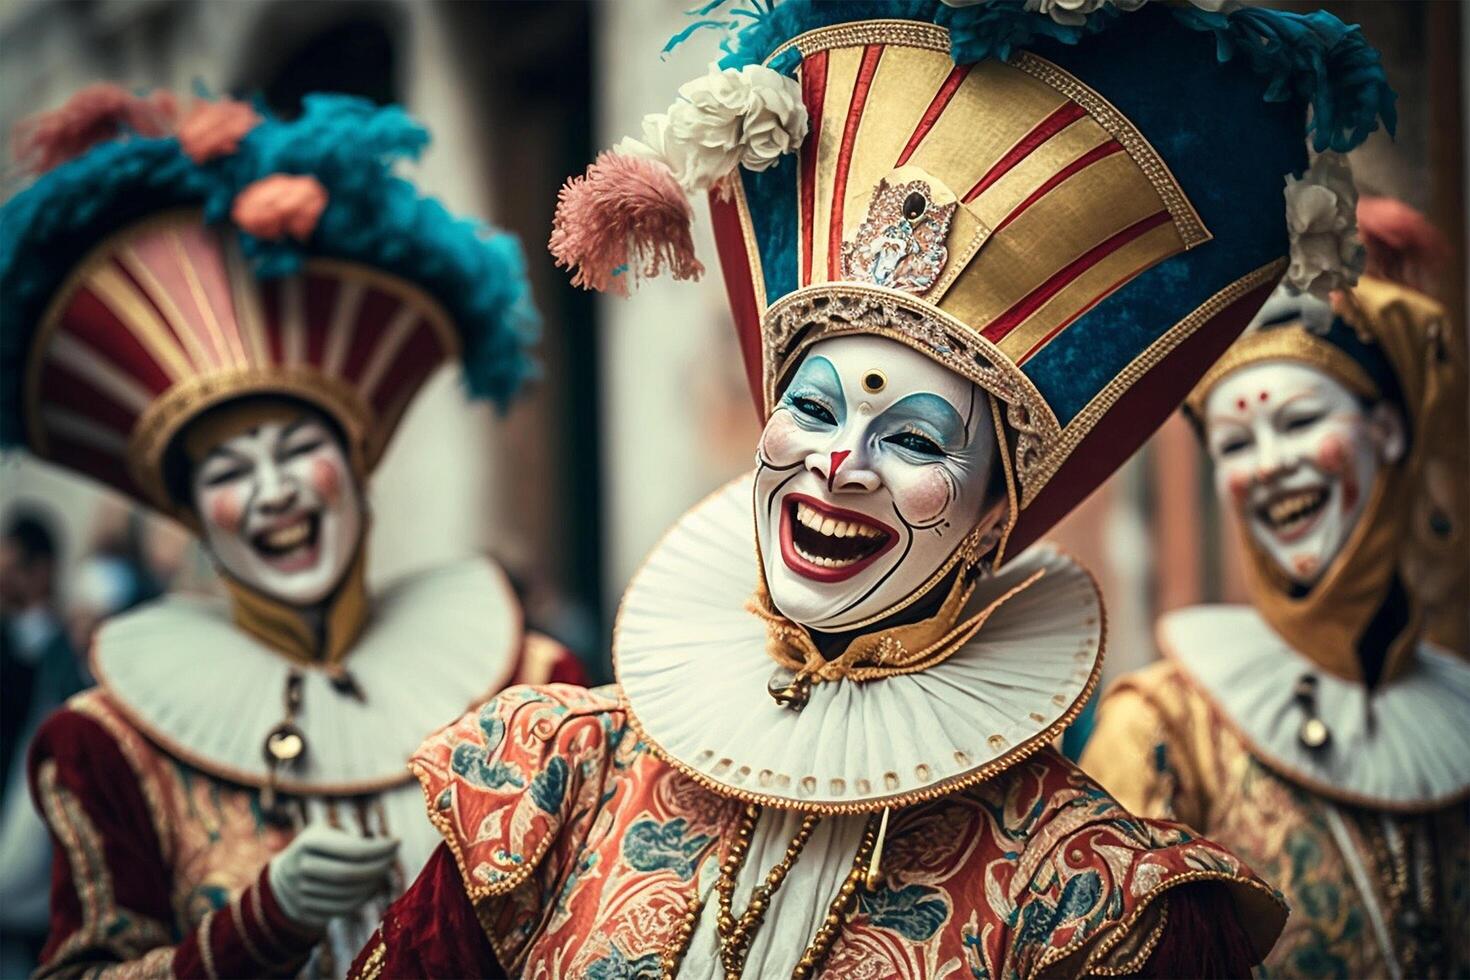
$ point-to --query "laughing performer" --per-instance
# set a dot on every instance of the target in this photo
(224, 316)
(1317, 732)
(975, 255)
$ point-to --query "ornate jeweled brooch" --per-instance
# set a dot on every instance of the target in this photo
(900, 243)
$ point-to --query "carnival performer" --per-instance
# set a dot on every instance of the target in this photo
(1317, 732)
(975, 255)
(224, 316)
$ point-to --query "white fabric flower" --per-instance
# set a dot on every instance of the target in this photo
(1321, 217)
(751, 116)
(1071, 12)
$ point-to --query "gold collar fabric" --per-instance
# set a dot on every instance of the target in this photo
(289, 631)
(904, 649)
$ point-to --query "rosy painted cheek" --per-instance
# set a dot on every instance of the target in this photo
(782, 441)
(1333, 457)
(326, 479)
(1237, 485)
(224, 510)
(925, 497)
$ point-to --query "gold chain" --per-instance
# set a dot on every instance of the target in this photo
(736, 933)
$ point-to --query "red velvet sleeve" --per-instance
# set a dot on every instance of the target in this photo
(430, 931)
(111, 886)
(1203, 937)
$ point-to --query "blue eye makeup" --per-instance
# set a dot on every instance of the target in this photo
(923, 426)
(815, 394)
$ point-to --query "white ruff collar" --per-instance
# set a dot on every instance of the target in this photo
(207, 692)
(693, 667)
(1404, 747)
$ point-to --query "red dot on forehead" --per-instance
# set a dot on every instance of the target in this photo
(1263, 396)
(1240, 404)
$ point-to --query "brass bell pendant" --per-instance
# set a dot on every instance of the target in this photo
(789, 690)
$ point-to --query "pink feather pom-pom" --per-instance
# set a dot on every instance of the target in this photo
(1402, 245)
(94, 115)
(214, 129)
(280, 205)
(626, 215)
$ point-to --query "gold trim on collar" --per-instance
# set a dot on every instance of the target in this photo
(904, 649)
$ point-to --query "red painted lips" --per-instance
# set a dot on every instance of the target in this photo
(829, 544)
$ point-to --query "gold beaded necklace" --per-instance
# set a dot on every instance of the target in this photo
(736, 933)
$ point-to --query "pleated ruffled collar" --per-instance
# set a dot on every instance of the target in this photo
(207, 692)
(693, 667)
(1403, 746)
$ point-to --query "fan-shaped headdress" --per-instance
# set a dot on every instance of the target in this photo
(1077, 209)
(165, 262)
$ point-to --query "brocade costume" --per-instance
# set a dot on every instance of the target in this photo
(1016, 199)
(1318, 734)
(219, 729)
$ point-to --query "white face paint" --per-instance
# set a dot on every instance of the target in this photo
(1296, 455)
(281, 510)
(871, 471)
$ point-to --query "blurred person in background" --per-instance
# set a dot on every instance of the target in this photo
(224, 316)
(1321, 732)
(38, 671)
(967, 288)
(113, 576)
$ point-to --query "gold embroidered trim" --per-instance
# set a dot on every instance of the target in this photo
(1134, 964)
(186, 400)
(1187, 222)
(372, 967)
(1289, 342)
(884, 653)
(908, 33)
(1115, 935)
(801, 318)
(201, 938)
(1160, 349)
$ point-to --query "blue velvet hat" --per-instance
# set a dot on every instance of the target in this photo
(1078, 210)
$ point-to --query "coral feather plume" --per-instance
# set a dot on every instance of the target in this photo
(1402, 244)
(626, 216)
(95, 114)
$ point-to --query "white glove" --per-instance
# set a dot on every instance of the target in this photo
(325, 872)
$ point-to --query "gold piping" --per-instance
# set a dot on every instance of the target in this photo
(1103, 401)
(1191, 227)
(1120, 931)
(909, 33)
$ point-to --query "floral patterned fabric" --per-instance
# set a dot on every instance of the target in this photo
(582, 852)
(1164, 749)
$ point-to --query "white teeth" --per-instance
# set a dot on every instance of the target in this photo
(288, 537)
(832, 527)
(821, 562)
(1287, 509)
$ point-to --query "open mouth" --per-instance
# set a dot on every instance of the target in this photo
(290, 547)
(829, 544)
(1292, 513)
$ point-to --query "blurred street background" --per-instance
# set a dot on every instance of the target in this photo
(642, 409)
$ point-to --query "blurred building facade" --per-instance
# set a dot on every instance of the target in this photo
(642, 409)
